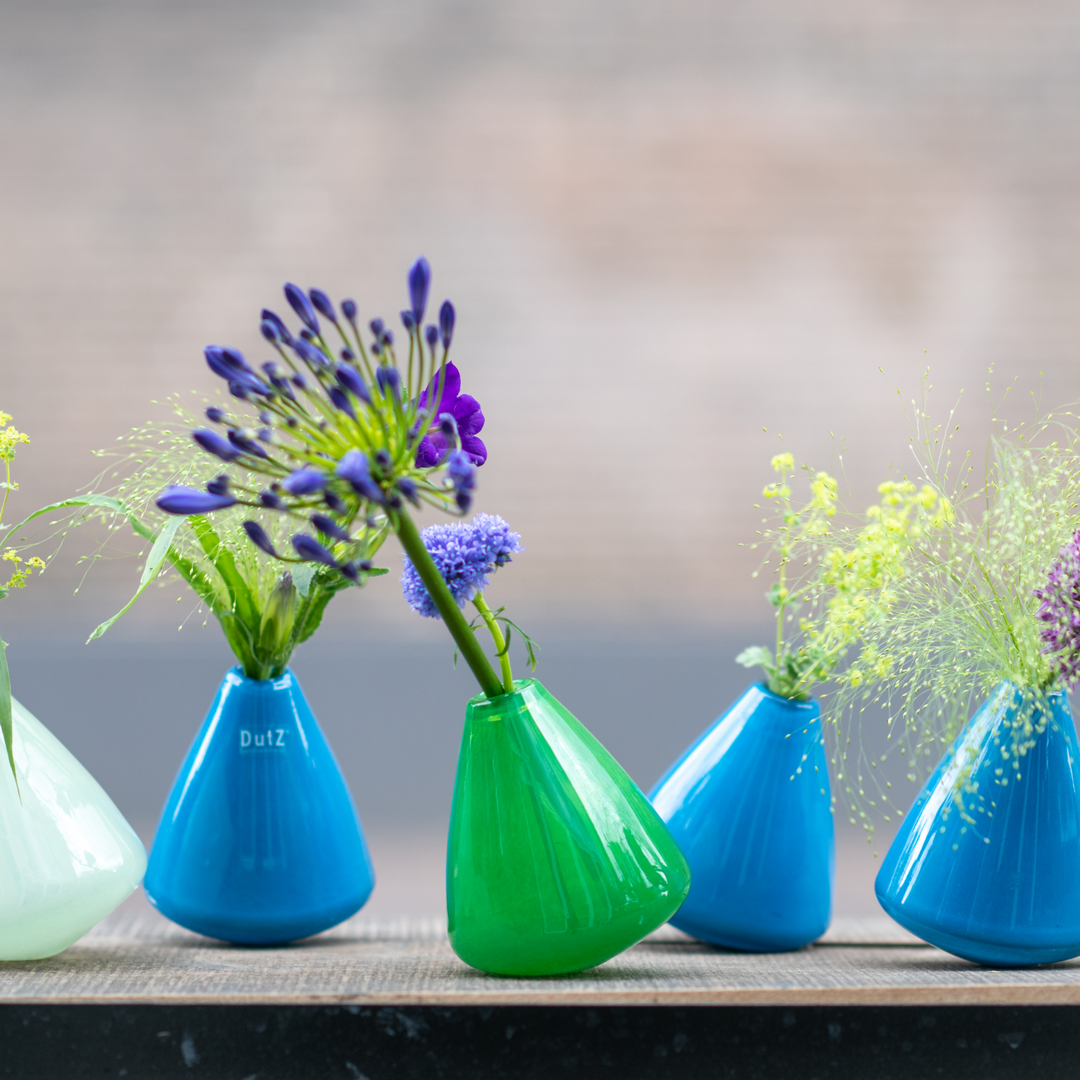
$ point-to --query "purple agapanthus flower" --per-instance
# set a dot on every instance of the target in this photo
(465, 553)
(467, 416)
(1060, 613)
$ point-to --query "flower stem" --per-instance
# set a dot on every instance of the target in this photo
(447, 607)
(501, 647)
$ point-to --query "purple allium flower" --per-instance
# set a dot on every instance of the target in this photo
(308, 548)
(466, 413)
(215, 444)
(465, 553)
(419, 283)
(305, 481)
(187, 500)
(257, 535)
(302, 306)
(1060, 612)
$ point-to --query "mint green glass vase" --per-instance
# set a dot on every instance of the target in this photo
(67, 856)
(556, 860)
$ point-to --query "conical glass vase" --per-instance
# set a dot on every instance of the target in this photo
(259, 842)
(556, 860)
(67, 856)
(986, 864)
(749, 804)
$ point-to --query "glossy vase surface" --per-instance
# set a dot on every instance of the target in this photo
(749, 804)
(67, 856)
(986, 864)
(556, 861)
(259, 842)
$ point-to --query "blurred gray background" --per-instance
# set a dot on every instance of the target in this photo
(666, 226)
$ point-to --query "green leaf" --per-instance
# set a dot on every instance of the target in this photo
(775, 594)
(5, 711)
(756, 655)
(106, 502)
(154, 561)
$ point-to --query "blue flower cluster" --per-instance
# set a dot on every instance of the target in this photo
(466, 553)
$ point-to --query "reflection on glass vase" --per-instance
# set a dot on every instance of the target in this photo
(67, 856)
(259, 842)
(749, 803)
(556, 860)
(986, 864)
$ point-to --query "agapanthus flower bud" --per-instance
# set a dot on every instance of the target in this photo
(310, 549)
(304, 481)
(238, 390)
(407, 488)
(214, 444)
(216, 415)
(463, 500)
(419, 283)
(333, 502)
(323, 304)
(188, 500)
(408, 321)
(432, 335)
(269, 331)
(382, 458)
(242, 440)
(307, 335)
(447, 318)
(257, 535)
(302, 306)
(271, 500)
(348, 308)
(311, 353)
(264, 434)
(377, 327)
(347, 355)
(353, 468)
(387, 338)
(349, 378)
(388, 378)
(461, 470)
(219, 485)
(448, 427)
(266, 418)
(341, 401)
(299, 382)
(350, 571)
(329, 527)
(282, 330)
(376, 349)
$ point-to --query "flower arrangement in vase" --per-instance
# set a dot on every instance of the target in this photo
(348, 436)
(67, 856)
(749, 801)
(986, 863)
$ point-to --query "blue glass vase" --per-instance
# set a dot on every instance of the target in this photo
(259, 842)
(986, 864)
(749, 805)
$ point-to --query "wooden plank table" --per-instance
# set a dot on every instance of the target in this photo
(391, 999)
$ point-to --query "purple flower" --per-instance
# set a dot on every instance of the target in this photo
(216, 415)
(466, 413)
(187, 500)
(240, 438)
(447, 317)
(462, 474)
(351, 381)
(465, 553)
(341, 401)
(310, 549)
(215, 444)
(257, 535)
(305, 481)
(329, 527)
(302, 306)
(348, 308)
(353, 468)
(388, 379)
(311, 353)
(219, 485)
(1060, 613)
(271, 317)
(419, 283)
(323, 304)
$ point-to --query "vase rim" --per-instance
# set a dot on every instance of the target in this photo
(781, 700)
(274, 682)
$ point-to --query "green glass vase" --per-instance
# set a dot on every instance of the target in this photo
(556, 860)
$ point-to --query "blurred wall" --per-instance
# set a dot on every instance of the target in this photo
(666, 225)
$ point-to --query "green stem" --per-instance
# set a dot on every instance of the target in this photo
(501, 647)
(447, 607)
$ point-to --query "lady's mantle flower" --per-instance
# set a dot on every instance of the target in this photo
(465, 553)
(466, 415)
(1060, 613)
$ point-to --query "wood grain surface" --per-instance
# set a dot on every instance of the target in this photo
(137, 957)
